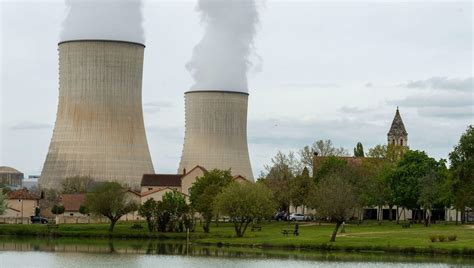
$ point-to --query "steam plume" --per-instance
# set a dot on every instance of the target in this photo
(220, 60)
(103, 19)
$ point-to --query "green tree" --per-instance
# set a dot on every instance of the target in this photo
(378, 151)
(359, 150)
(204, 191)
(330, 165)
(278, 181)
(3, 203)
(375, 184)
(300, 189)
(174, 204)
(147, 210)
(406, 178)
(432, 189)
(462, 170)
(83, 210)
(56, 209)
(245, 203)
(336, 199)
(110, 200)
(76, 184)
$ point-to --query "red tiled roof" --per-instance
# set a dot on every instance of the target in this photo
(22, 194)
(72, 202)
(161, 180)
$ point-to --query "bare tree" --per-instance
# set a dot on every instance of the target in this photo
(321, 148)
(77, 184)
(336, 199)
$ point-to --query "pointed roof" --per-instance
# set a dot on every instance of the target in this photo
(397, 128)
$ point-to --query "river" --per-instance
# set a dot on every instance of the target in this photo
(69, 252)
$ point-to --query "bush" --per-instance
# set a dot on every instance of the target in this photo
(452, 237)
(441, 238)
(137, 226)
(433, 238)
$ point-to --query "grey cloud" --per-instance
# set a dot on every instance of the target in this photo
(444, 83)
(447, 112)
(354, 110)
(312, 85)
(435, 100)
(30, 126)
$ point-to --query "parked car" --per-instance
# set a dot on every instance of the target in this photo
(38, 219)
(280, 216)
(296, 217)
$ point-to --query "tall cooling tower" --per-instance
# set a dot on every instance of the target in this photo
(99, 130)
(216, 132)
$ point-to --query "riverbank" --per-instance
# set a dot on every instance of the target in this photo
(388, 237)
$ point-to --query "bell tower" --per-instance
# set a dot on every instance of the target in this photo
(397, 135)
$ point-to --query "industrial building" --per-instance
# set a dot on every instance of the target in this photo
(216, 132)
(10, 177)
(99, 130)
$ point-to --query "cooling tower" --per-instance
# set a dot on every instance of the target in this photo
(99, 130)
(216, 132)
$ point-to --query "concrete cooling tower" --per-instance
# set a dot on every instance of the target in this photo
(216, 132)
(99, 130)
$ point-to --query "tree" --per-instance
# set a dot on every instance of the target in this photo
(77, 184)
(321, 148)
(245, 203)
(300, 189)
(56, 209)
(176, 209)
(336, 199)
(3, 203)
(359, 150)
(432, 189)
(110, 200)
(83, 210)
(287, 162)
(462, 170)
(406, 178)
(147, 210)
(330, 165)
(375, 184)
(204, 191)
(378, 151)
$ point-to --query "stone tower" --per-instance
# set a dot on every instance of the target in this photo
(397, 135)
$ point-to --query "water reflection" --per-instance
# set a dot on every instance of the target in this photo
(135, 249)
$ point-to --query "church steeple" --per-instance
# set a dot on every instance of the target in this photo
(397, 135)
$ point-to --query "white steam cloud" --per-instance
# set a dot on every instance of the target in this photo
(221, 59)
(103, 19)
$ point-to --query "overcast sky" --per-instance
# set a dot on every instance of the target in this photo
(323, 70)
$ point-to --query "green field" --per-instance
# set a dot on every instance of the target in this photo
(388, 237)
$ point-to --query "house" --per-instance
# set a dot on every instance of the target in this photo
(151, 182)
(72, 203)
(21, 205)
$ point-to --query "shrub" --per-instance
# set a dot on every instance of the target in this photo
(433, 238)
(441, 238)
(452, 237)
(137, 226)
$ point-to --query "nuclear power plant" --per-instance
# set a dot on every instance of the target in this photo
(216, 132)
(99, 130)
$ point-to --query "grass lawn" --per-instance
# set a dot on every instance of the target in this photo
(366, 237)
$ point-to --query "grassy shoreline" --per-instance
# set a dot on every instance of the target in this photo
(388, 237)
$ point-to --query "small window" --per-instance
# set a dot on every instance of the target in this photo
(149, 189)
(393, 141)
(401, 141)
(71, 214)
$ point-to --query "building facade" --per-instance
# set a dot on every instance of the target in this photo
(10, 177)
